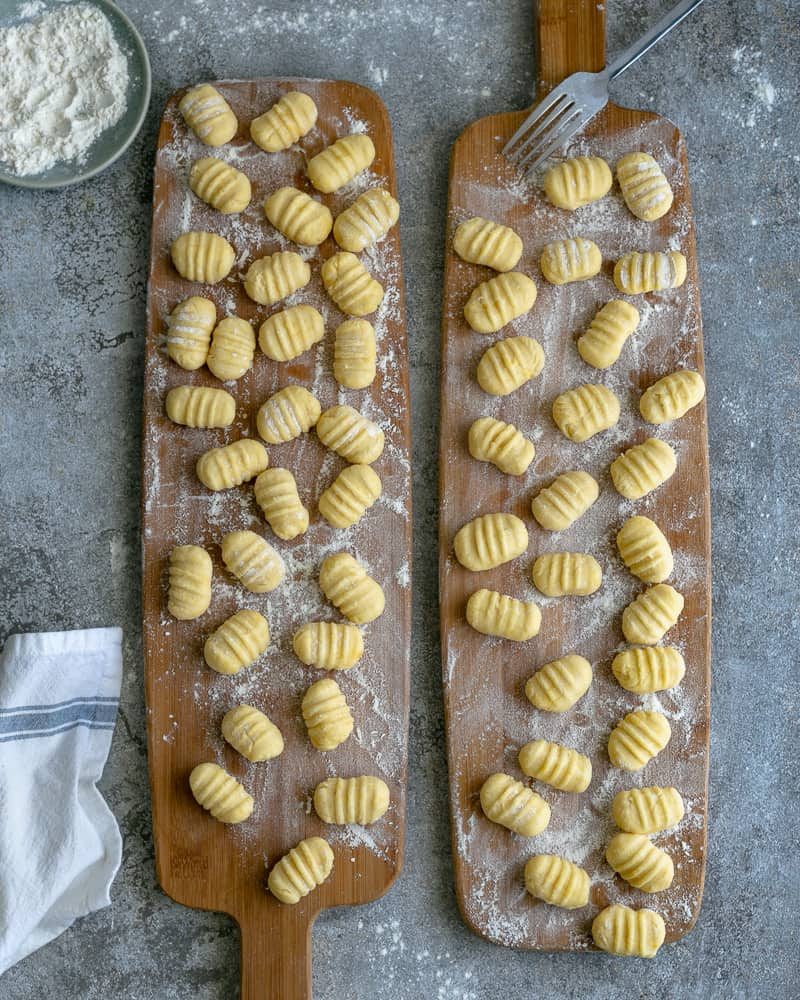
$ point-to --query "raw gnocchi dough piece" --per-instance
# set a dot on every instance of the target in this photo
(220, 794)
(202, 256)
(366, 221)
(232, 464)
(361, 800)
(557, 881)
(354, 354)
(577, 181)
(340, 162)
(652, 271)
(220, 185)
(326, 714)
(252, 734)
(644, 549)
(637, 738)
(513, 805)
(289, 333)
(672, 396)
(350, 285)
(200, 406)
(556, 765)
(490, 540)
(647, 669)
(640, 863)
(559, 684)
(355, 438)
(499, 300)
(587, 410)
(509, 364)
(350, 495)
(298, 216)
(253, 561)
(648, 617)
(237, 643)
(559, 574)
(208, 115)
(190, 572)
(277, 496)
(602, 343)
(643, 468)
(647, 810)
(566, 499)
(232, 348)
(348, 586)
(328, 645)
(287, 414)
(481, 241)
(270, 279)
(498, 614)
(289, 119)
(619, 930)
(569, 260)
(189, 332)
(501, 444)
(301, 870)
(644, 187)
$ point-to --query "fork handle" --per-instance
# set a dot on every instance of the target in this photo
(633, 52)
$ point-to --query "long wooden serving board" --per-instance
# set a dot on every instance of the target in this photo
(487, 715)
(201, 862)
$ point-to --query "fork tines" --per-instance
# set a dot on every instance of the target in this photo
(551, 124)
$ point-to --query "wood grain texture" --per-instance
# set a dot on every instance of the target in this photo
(200, 862)
(487, 715)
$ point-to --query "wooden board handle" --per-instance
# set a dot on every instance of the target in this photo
(571, 37)
(276, 953)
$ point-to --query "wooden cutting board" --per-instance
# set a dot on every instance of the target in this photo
(487, 715)
(200, 862)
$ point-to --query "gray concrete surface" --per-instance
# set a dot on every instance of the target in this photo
(72, 287)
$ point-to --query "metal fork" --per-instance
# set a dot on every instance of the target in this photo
(573, 103)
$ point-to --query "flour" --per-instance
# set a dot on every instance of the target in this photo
(64, 80)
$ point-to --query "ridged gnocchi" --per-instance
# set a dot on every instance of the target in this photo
(647, 669)
(490, 540)
(644, 549)
(501, 444)
(648, 617)
(366, 221)
(637, 739)
(509, 364)
(237, 643)
(220, 794)
(340, 162)
(498, 614)
(270, 279)
(232, 464)
(647, 810)
(277, 496)
(361, 800)
(575, 259)
(577, 181)
(326, 714)
(232, 348)
(300, 871)
(644, 187)
(587, 410)
(208, 115)
(640, 863)
(328, 645)
(189, 332)
(190, 573)
(557, 881)
(298, 216)
(602, 343)
(556, 765)
(354, 354)
(643, 468)
(481, 241)
(350, 285)
(559, 684)
(200, 406)
(513, 805)
(253, 561)
(499, 300)
(252, 734)
(355, 438)
(561, 574)
(289, 119)
(672, 397)
(291, 332)
(350, 495)
(220, 185)
(619, 930)
(652, 271)
(287, 414)
(348, 586)
(566, 499)
(202, 256)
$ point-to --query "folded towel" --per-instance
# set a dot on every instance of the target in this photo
(60, 846)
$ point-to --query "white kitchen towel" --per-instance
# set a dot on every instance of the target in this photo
(60, 846)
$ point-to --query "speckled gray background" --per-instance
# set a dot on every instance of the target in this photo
(72, 289)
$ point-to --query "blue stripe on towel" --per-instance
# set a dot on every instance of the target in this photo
(20, 709)
(42, 721)
(53, 732)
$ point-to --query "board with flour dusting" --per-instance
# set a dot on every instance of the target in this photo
(487, 714)
(200, 862)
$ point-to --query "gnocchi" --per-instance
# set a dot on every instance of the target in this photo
(566, 499)
(354, 354)
(220, 185)
(643, 468)
(291, 332)
(558, 574)
(232, 464)
(252, 734)
(490, 540)
(277, 496)
(366, 221)
(587, 410)
(619, 930)
(575, 259)
(208, 115)
(237, 643)
(647, 669)
(348, 586)
(300, 871)
(270, 279)
(287, 414)
(513, 805)
(220, 794)
(253, 561)
(652, 271)
(190, 572)
(644, 187)
(556, 765)
(481, 241)
(672, 397)
(640, 863)
(602, 343)
(289, 119)
(232, 348)
(350, 496)
(497, 614)
(298, 217)
(340, 162)
(577, 181)
(361, 800)
(648, 617)
(637, 738)
(326, 714)
(202, 256)
(200, 406)
(328, 645)
(559, 684)
(350, 285)
(644, 549)
(189, 332)
(355, 438)
(501, 444)
(499, 300)
(509, 364)
(647, 810)
(557, 881)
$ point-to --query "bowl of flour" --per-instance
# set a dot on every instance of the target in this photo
(75, 86)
